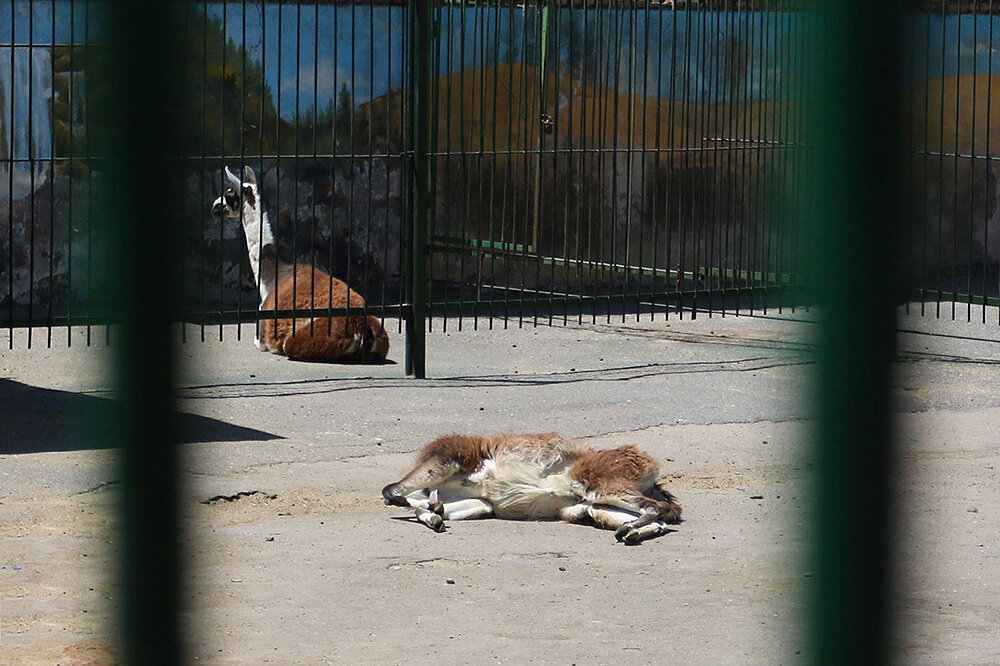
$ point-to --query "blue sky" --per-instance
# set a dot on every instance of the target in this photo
(309, 51)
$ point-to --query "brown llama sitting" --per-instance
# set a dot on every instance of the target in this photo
(537, 477)
(355, 339)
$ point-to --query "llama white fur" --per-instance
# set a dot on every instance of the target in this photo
(241, 197)
(244, 194)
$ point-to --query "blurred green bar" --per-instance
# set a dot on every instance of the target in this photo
(851, 208)
(137, 203)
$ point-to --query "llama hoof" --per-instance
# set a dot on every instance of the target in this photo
(436, 523)
(631, 537)
(436, 507)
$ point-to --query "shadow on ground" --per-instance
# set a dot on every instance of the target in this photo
(36, 420)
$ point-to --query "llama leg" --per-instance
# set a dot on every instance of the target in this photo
(431, 519)
(630, 532)
(258, 338)
(466, 509)
(628, 527)
(634, 535)
(577, 513)
(376, 341)
(425, 509)
(420, 499)
(609, 518)
(435, 513)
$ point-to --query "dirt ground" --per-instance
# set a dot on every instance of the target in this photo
(292, 558)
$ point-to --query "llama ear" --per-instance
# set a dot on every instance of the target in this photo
(248, 176)
(231, 177)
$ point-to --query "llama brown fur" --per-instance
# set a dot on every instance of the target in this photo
(469, 451)
(627, 464)
(360, 339)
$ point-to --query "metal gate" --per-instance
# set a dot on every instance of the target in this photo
(598, 158)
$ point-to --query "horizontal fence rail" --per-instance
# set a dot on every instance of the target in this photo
(578, 159)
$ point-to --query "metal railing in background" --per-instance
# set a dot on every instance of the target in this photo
(308, 95)
(586, 157)
(953, 256)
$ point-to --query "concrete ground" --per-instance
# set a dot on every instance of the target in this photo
(291, 557)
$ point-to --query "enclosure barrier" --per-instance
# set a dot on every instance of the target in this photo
(512, 161)
(143, 43)
(585, 158)
(852, 207)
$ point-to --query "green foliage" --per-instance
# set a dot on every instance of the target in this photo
(225, 103)
(340, 128)
(329, 130)
(226, 106)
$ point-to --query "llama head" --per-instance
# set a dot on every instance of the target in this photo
(236, 192)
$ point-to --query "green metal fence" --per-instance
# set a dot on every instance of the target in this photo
(542, 159)
(583, 159)
(852, 207)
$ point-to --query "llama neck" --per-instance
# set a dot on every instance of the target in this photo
(257, 229)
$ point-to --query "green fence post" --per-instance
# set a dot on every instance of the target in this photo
(851, 205)
(421, 115)
(136, 126)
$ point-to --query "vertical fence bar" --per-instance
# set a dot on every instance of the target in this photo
(10, 180)
(956, 162)
(70, 169)
(420, 114)
(853, 205)
(986, 160)
(32, 156)
(52, 178)
(142, 76)
(973, 161)
(203, 164)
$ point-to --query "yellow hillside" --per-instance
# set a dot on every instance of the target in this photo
(499, 108)
(972, 99)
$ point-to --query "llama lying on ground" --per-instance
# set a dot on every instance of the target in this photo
(537, 477)
(357, 339)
